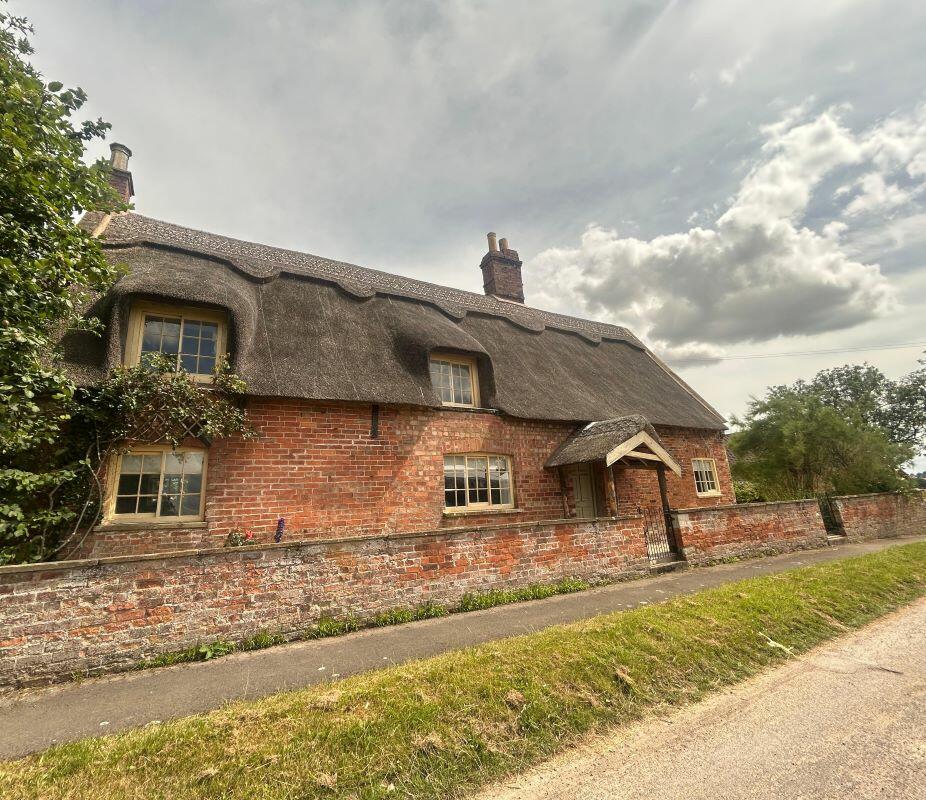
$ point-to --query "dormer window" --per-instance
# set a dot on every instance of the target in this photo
(455, 380)
(193, 339)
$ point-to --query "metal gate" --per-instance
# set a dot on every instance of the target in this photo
(660, 540)
(831, 519)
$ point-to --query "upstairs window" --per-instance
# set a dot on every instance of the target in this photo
(158, 483)
(477, 482)
(455, 380)
(192, 339)
(705, 477)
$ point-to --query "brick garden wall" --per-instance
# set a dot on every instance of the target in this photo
(317, 465)
(96, 615)
(871, 516)
(753, 529)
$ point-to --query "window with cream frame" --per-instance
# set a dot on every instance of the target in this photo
(193, 338)
(157, 484)
(705, 477)
(455, 379)
(477, 482)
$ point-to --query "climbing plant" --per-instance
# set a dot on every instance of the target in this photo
(145, 404)
(48, 266)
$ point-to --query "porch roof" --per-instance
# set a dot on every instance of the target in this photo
(611, 440)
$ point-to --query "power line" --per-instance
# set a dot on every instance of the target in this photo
(709, 360)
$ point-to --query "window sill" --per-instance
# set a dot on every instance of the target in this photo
(709, 494)
(478, 511)
(473, 409)
(134, 525)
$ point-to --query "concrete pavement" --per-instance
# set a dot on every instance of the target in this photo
(36, 719)
(847, 720)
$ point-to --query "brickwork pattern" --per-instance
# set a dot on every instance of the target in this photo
(317, 466)
(639, 488)
(753, 529)
(98, 615)
(875, 516)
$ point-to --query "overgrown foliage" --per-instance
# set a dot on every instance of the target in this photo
(441, 727)
(849, 430)
(48, 267)
(146, 404)
(54, 438)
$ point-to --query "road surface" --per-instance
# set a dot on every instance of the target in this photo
(846, 721)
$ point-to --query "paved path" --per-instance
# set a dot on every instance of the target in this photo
(848, 720)
(36, 719)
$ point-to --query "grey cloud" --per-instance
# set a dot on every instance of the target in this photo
(758, 273)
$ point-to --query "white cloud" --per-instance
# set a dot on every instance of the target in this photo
(758, 272)
(700, 101)
(729, 75)
(876, 195)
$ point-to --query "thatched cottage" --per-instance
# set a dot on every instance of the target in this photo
(384, 404)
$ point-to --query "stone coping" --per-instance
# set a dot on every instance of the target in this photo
(58, 566)
(879, 494)
(708, 509)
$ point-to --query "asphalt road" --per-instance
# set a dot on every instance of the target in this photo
(36, 719)
(846, 721)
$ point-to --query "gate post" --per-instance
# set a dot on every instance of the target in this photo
(666, 510)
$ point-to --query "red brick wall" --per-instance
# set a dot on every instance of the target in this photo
(56, 619)
(639, 488)
(753, 529)
(870, 516)
(316, 465)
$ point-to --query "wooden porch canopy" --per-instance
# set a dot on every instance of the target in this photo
(631, 440)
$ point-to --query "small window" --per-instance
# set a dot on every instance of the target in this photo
(159, 484)
(192, 339)
(705, 476)
(477, 482)
(454, 379)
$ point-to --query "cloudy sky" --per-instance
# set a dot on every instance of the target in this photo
(733, 180)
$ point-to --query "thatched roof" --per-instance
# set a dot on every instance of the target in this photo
(306, 327)
(611, 440)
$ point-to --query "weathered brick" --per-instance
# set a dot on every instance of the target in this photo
(118, 612)
(315, 465)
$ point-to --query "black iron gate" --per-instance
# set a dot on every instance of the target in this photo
(831, 519)
(660, 539)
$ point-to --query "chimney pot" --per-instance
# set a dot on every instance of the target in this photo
(501, 271)
(119, 156)
(120, 178)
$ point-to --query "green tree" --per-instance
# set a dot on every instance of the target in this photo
(48, 265)
(897, 407)
(55, 439)
(794, 443)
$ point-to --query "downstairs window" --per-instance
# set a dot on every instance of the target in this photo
(705, 477)
(158, 484)
(477, 482)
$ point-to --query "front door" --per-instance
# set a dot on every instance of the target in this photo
(583, 490)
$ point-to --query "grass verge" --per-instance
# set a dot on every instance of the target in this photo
(440, 727)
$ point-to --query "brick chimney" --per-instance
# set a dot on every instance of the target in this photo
(501, 271)
(119, 177)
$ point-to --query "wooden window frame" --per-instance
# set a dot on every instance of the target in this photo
(112, 487)
(716, 478)
(137, 330)
(476, 508)
(469, 361)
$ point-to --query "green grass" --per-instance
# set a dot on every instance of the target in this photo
(214, 649)
(443, 726)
